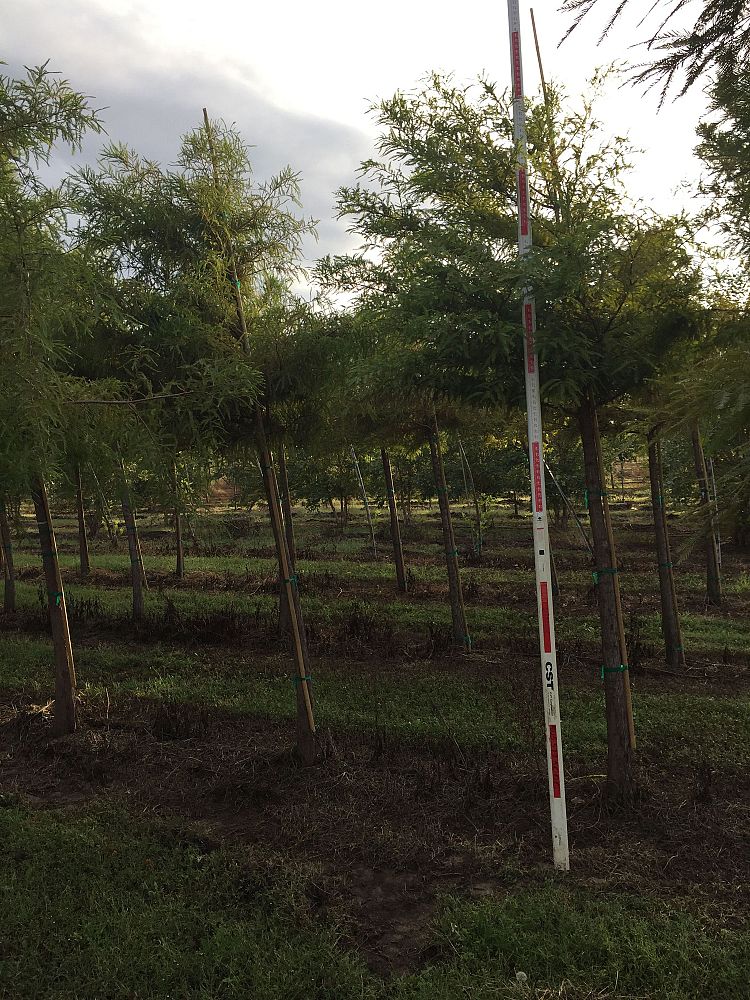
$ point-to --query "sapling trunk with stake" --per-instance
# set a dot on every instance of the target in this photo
(131, 533)
(9, 570)
(571, 509)
(286, 504)
(83, 541)
(614, 668)
(366, 503)
(65, 676)
(306, 730)
(478, 539)
(104, 506)
(286, 510)
(713, 573)
(180, 565)
(670, 619)
(398, 549)
(715, 501)
(461, 635)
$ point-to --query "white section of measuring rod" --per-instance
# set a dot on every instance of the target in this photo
(542, 559)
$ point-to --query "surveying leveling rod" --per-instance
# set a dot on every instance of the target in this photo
(542, 557)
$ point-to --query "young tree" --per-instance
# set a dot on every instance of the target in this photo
(44, 289)
(610, 279)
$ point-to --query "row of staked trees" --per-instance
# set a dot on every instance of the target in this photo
(151, 341)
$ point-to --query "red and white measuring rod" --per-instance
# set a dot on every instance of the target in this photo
(542, 557)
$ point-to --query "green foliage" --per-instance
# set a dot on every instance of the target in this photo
(46, 287)
(717, 42)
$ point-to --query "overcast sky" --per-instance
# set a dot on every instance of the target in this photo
(297, 77)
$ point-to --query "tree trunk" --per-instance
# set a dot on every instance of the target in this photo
(670, 620)
(620, 741)
(180, 566)
(136, 569)
(286, 505)
(65, 674)
(398, 550)
(366, 503)
(478, 539)
(285, 620)
(306, 734)
(713, 574)
(83, 542)
(458, 611)
(9, 570)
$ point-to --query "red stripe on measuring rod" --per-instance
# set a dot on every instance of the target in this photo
(546, 632)
(554, 760)
(516, 65)
(528, 322)
(523, 202)
(537, 465)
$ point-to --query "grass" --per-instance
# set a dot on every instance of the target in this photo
(492, 625)
(104, 906)
(488, 707)
(99, 904)
(612, 942)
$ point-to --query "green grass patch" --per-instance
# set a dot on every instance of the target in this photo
(485, 708)
(623, 945)
(99, 904)
(102, 906)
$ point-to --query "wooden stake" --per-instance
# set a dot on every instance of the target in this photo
(83, 542)
(180, 564)
(458, 611)
(615, 575)
(713, 574)
(474, 497)
(366, 502)
(674, 653)
(131, 532)
(9, 571)
(398, 550)
(65, 674)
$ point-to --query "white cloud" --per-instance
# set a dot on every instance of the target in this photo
(297, 77)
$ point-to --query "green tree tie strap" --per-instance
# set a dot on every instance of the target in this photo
(601, 572)
(613, 670)
(660, 500)
(454, 552)
(55, 597)
(292, 579)
(667, 565)
(298, 679)
(592, 493)
(467, 641)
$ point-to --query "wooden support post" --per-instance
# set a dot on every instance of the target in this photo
(65, 675)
